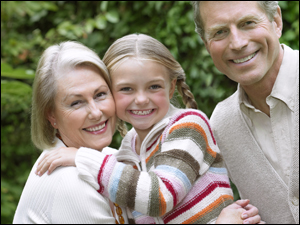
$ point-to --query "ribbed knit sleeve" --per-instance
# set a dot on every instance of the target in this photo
(184, 151)
(61, 198)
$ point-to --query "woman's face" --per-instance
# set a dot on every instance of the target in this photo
(84, 109)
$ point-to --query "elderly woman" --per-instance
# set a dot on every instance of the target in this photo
(71, 106)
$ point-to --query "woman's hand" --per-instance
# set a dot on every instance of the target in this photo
(63, 156)
(240, 212)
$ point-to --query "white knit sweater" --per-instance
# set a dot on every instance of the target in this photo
(61, 197)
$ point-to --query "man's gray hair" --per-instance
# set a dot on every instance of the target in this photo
(269, 7)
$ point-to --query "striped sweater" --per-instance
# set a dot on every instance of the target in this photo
(178, 178)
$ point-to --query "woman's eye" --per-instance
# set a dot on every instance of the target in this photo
(101, 94)
(75, 103)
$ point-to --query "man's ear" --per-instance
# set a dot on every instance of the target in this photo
(172, 88)
(278, 22)
(52, 119)
(205, 43)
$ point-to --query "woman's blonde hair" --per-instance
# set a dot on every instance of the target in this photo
(145, 47)
(53, 64)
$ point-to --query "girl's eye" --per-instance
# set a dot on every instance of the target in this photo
(126, 89)
(155, 86)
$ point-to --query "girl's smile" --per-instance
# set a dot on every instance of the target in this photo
(142, 92)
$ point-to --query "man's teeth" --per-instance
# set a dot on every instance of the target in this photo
(141, 113)
(100, 127)
(244, 59)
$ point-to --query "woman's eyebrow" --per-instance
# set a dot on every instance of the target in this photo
(80, 95)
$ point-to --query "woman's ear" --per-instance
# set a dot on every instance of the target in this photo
(172, 88)
(52, 119)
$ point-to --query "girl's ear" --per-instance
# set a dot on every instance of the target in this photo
(172, 88)
(52, 119)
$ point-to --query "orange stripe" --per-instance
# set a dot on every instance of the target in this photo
(154, 151)
(209, 208)
(163, 204)
(198, 128)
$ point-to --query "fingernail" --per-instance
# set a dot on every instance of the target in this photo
(39, 173)
(246, 222)
(244, 216)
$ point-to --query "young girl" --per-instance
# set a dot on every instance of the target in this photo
(168, 168)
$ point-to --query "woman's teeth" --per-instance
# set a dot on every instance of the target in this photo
(100, 127)
(244, 59)
(141, 113)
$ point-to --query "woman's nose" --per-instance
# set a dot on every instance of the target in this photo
(95, 112)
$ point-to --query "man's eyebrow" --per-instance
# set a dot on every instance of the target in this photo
(217, 27)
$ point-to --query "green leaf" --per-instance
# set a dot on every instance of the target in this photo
(100, 22)
(103, 6)
(19, 73)
(112, 16)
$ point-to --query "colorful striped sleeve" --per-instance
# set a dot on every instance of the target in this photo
(187, 151)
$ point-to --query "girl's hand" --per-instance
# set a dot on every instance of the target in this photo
(250, 216)
(240, 212)
(63, 156)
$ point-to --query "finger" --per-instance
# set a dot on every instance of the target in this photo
(45, 158)
(47, 163)
(242, 202)
(56, 163)
(262, 222)
(251, 210)
(252, 220)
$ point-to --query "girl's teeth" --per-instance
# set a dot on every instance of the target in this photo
(96, 128)
(244, 59)
(141, 113)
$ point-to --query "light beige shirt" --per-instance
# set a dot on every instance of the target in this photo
(274, 133)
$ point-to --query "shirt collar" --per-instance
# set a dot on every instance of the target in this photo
(284, 87)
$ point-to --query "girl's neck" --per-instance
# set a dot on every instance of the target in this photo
(139, 140)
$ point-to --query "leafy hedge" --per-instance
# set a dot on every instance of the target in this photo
(28, 27)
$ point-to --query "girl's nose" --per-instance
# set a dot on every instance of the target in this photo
(141, 98)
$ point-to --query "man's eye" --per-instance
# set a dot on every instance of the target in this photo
(219, 32)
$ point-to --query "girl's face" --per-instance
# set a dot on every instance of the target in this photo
(142, 92)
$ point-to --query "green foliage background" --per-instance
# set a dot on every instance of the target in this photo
(29, 27)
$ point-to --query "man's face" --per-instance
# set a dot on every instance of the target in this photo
(241, 40)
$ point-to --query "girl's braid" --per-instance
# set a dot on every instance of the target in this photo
(187, 96)
(121, 127)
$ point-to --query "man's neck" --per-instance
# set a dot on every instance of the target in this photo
(258, 92)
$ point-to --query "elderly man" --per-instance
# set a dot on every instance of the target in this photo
(257, 128)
